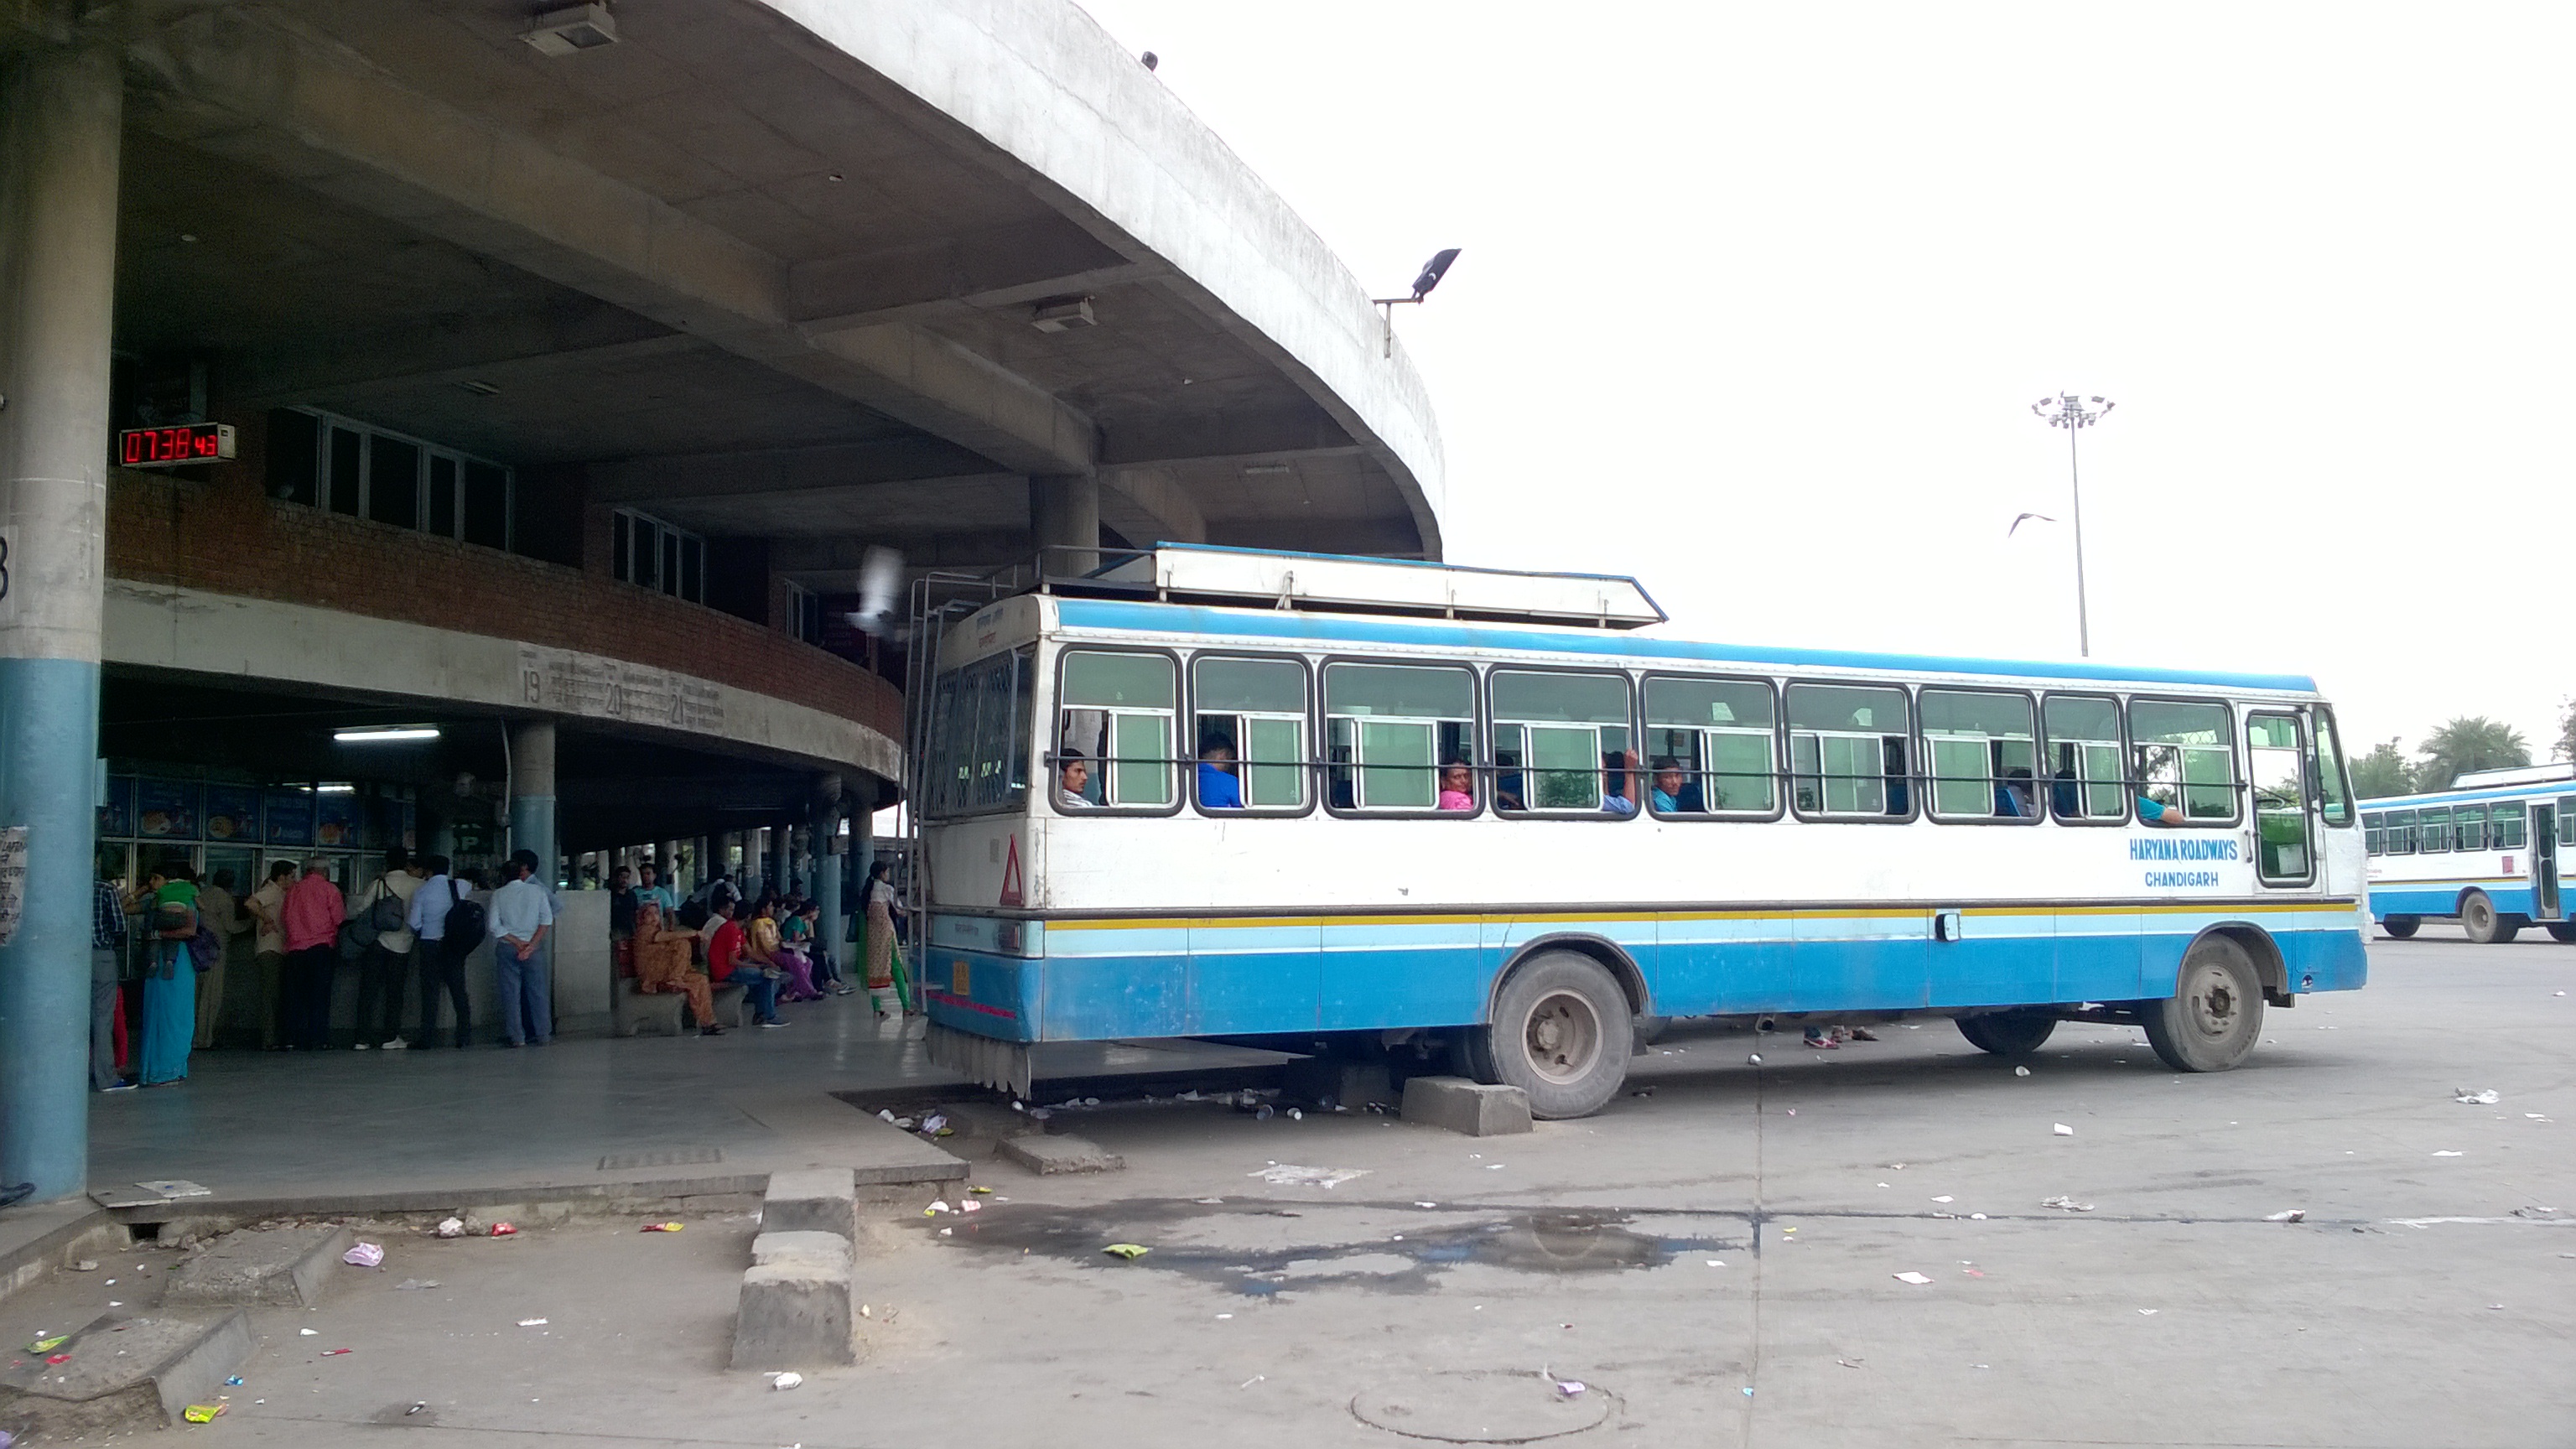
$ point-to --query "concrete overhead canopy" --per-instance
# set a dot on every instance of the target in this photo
(822, 272)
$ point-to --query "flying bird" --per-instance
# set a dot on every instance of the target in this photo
(2020, 518)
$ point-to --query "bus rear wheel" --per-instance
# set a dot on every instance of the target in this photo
(2401, 928)
(2008, 1033)
(2483, 923)
(2562, 930)
(2214, 1016)
(1561, 1033)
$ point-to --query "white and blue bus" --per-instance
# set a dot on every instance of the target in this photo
(2483, 853)
(1307, 799)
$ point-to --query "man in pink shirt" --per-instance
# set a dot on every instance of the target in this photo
(312, 916)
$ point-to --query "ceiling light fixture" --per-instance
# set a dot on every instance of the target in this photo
(383, 734)
(570, 31)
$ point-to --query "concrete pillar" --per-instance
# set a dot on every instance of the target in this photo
(1064, 522)
(532, 793)
(827, 867)
(60, 113)
(781, 854)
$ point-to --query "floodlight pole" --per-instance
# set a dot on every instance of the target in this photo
(1388, 305)
(2073, 413)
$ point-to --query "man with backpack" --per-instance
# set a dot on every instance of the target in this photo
(383, 913)
(447, 925)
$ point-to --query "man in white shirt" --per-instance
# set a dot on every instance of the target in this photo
(441, 967)
(522, 912)
(385, 970)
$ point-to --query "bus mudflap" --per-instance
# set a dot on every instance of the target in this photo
(1000, 1065)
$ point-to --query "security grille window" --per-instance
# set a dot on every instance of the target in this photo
(1561, 744)
(1709, 747)
(353, 468)
(1388, 730)
(2185, 758)
(1847, 754)
(2432, 832)
(2508, 827)
(2334, 784)
(2374, 833)
(1253, 711)
(2400, 839)
(2084, 758)
(2469, 827)
(650, 554)
(1118, 710)
(1983, 752)
(2277, 763)
(805, 614)
(980, 727)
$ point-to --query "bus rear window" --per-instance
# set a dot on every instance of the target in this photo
(979, 754)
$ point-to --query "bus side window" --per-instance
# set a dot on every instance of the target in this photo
(2432, 831)
(1388, 730)
(2084, 758)
(2509, 827)
(1118, 710)
(2374, 832)
(1847, 751)
(2186, 756)
(1720, 738)
(1567, 728)
(1257, 708)
(1980, 752)
(2401, 833)
(2567, 819)
(2469, 827)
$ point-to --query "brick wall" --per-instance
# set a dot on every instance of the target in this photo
(229, 537)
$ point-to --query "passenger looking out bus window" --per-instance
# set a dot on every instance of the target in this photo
(1120, 710)
(2185, 758)
(2152, 811)
(1218, 788)
(1572, 730)
(1674, 792)
(1457, 786)
(1386, 727)
(2013, 795)
(1974, 740)
(1072, 781)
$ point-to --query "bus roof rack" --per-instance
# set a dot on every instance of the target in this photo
(2516, 775)
(1347, 583)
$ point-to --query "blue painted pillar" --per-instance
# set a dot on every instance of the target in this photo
(59, 116)
(825, 876)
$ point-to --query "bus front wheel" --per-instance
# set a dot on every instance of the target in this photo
(2008, 1033)
(2214, 1016)
(2400, 928)
(2483, 923)
(1561, 1033)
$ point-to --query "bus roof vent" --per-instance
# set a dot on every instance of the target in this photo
(2516, 775)
(1344, 583)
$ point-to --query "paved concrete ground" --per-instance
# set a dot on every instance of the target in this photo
(2411, 1307)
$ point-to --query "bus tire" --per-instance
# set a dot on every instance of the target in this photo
(2482, 922)
(2008, 1033)
(2401, 928)
(2562, 930)
(1645, 1031)
(2214, 1016)
(1561, 1034)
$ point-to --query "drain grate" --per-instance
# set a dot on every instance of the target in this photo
(668, 1157)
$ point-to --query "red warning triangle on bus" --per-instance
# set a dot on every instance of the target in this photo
(1011, 875)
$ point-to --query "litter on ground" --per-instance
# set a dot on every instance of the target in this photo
(1129, 1251)
(2067, 1204)
(661, 1227)
(1281, 1174)
(787, 1380)
(365, 1255)
(1570, 1387)
(2062, 1130)
(2487, 1098)
(451, 1228)
(1914, 1278)
(2287, 1215)
(532, 1323)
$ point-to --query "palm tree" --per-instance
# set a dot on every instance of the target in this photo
(2472, 743)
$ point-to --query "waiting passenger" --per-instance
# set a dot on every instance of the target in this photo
(2013, 797)
(662, 964)
(1674, 793)
(1457, 786)
(1618, 772)
(1219, 789)
(1073, 777)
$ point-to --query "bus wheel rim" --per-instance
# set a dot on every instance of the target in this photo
(2214, 1007)
(1562, 1037)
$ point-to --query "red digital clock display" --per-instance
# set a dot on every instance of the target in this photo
(174, 447)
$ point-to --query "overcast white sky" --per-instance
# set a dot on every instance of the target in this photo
(1756, 298)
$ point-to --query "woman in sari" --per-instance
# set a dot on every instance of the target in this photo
(662, 964)
(170, 986)
(880, 899)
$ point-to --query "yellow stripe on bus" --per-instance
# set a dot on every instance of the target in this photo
(1173, 923)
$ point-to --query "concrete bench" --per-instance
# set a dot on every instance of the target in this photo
(728, 1003)
(631, 1008)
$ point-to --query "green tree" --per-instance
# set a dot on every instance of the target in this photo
(2472, 743)
(2383, 772)
(2566, 731)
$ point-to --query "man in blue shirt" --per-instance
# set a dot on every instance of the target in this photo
(652, 889)
(106, 939)
(1219, 789)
